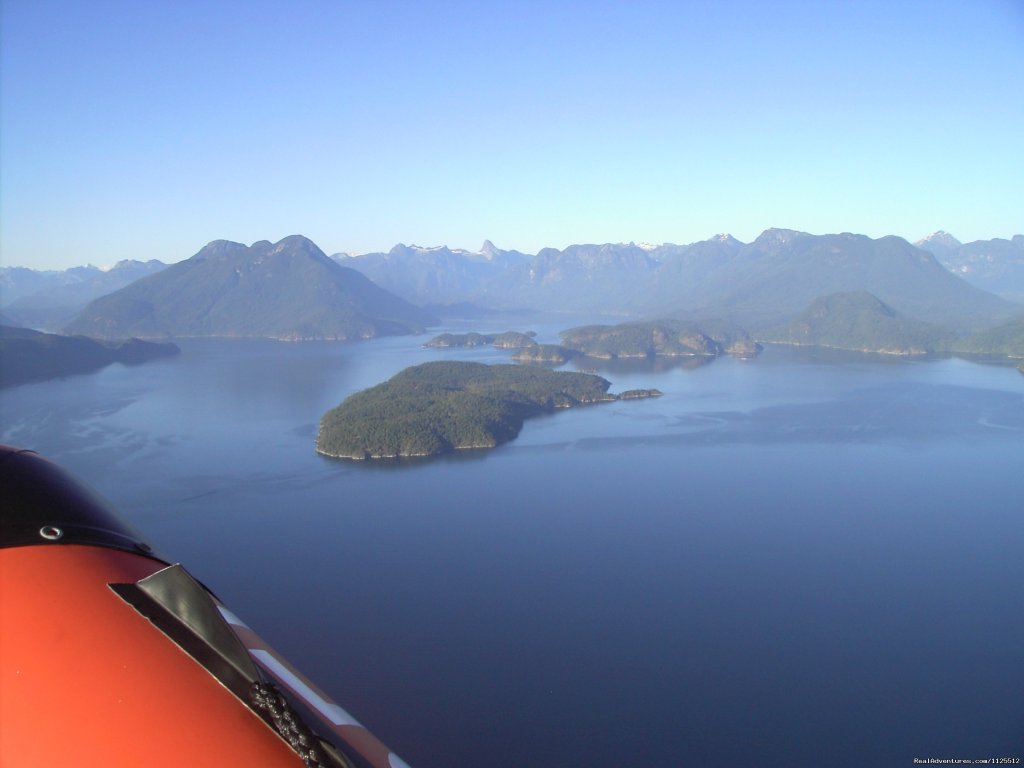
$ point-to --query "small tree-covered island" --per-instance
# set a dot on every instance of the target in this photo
(444, 406)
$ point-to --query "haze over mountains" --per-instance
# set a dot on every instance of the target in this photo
(995, 265)
(785, 285)
(778, 274)
(492, 276)
(52, 298)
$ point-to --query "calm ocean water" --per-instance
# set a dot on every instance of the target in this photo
(802, 559)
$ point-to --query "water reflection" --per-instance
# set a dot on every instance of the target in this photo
(627, 366)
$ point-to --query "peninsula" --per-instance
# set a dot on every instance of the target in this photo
(27, 355)
(444, 406)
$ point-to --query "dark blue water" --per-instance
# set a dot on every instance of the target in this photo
(801, 559)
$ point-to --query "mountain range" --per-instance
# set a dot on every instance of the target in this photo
(49, 299)
(285, 290)
(758, 283)
(785, 285)
(440, 275)
(995, 265)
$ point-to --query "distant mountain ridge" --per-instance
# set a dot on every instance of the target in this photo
(995, 265)
(286, 290)
(236, 290)
(49, 299)
(940, 244)
(442, 274)
(763, 282)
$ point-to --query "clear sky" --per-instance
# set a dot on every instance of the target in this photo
(146, 129)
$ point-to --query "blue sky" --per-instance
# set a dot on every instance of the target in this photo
(145, 130)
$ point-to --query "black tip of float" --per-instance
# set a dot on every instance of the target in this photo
(40, 503)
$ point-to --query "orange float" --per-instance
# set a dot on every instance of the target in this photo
(111, 656)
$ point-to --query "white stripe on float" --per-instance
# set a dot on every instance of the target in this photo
(328, 709)
(396, 762)
(230, 618)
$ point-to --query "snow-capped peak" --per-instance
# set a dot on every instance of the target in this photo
(943, 238)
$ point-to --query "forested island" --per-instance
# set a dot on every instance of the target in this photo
(446, 340)
(551, 354)
(856, 321)
(637, 339)
(860, 322)
(506, 340)
(444, 406)
(641, 339)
